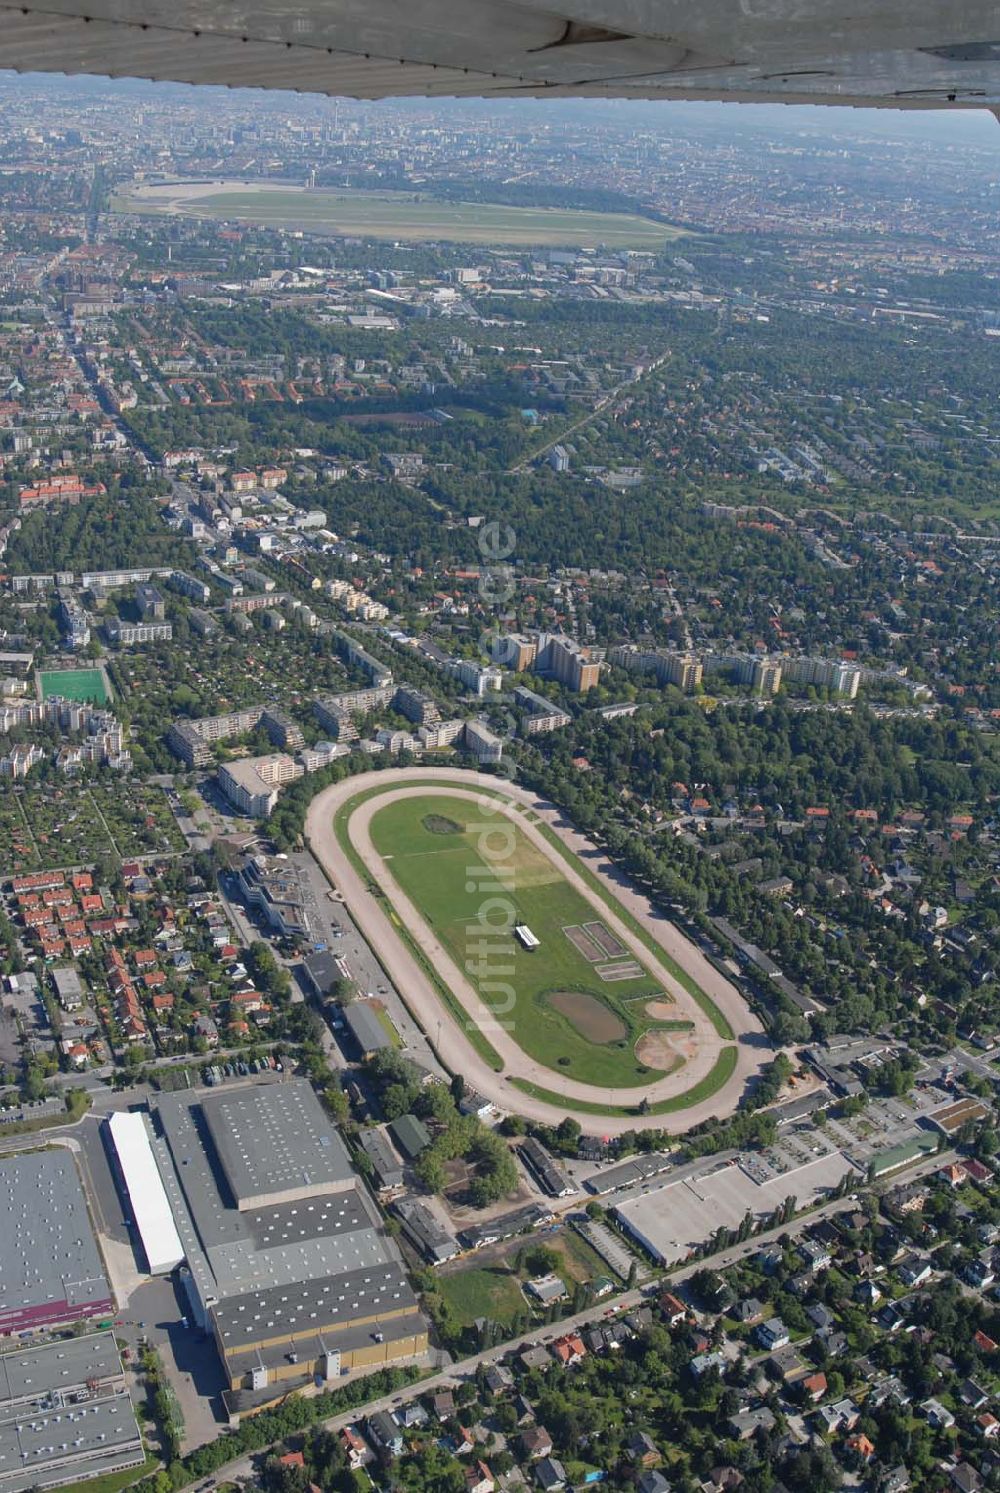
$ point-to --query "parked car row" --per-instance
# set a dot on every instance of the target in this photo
(221, 1071)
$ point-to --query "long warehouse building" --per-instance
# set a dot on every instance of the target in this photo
(51, 1273)
(288, 1264)
(147, 1198)
(65, 1414)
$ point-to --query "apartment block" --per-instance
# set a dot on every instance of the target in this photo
(192, 740)
(767, 676)
(75, 621)
(253, 783)
(112, 580)
(566, 661)
(189, 586)
(127, 634)
(542, 715)
(681, 669)
(359, 658)
(476, 678)
(257, 601)
(416, 705)
(483, 744)
(442, 734)
(150, 602)
(515, 651)
(826, 673)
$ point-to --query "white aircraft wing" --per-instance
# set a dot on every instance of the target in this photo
(897, 53)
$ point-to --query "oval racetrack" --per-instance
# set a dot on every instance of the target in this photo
(445, 1030)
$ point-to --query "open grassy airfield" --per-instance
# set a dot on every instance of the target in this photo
(584, 1005)
(409, 216)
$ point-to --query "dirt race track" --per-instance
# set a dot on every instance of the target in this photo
(701, 1046)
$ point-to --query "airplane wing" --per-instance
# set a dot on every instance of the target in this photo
(895, 53)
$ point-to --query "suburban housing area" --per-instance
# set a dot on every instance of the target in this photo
(499, 782)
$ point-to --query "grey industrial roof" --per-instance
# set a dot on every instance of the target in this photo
(425, 1229)
(47, 1248)
(365, 1027)
(337, 1213)
(549, 1172)
(276, 1141)
(65, 1364)
(636, 1169)
(331, 1301)
(66, 979)
(231, 1252)
(182, 1119)
(344, 1339)
(323, 970)
(410, 1134)
(506, 1226)
(381, 1152)
(41, 1445)
(55, 1445)
(314, 1263)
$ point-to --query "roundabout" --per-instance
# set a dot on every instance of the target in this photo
(534, 968)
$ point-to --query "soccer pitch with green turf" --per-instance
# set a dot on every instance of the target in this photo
(75, 684)
(565, 1015)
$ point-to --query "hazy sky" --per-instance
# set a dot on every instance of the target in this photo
(977, 127)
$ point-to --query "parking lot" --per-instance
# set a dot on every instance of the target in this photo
(672, 1220)
(345, 942)
(157, 1312)
(886, 1123)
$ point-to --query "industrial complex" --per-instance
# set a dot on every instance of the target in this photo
(65, 1414)
(50, 1268)
(65, 1410)
(286, 1262)
(140, 1182)
(249, 1199)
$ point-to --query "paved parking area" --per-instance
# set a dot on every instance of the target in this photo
(156, 1311)
(885, 1124)
(608, 1245)
(671, 1220)
(346, 943)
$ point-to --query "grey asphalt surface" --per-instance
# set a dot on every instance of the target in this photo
(346, 942)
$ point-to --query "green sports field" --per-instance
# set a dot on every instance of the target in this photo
(75, 684)
(470, 890)
(407, 216)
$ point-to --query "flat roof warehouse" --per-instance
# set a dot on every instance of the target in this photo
(277, 1144)
(287, 1262)
(65, 1413)
(50, 1268)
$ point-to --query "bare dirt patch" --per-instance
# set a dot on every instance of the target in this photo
(610, 946)
(591, 1018)
(662, 1009)
(583, 943)
(659, 1050)
(624, 969)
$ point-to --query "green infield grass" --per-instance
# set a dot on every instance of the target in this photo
(472, 879)
(716, 1078)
